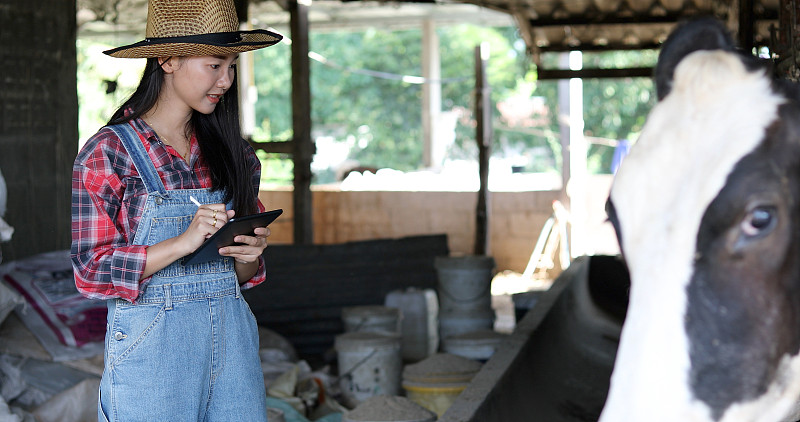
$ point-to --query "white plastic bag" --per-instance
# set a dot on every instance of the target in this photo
(5, 413)
(9, 299)
(5, 230)
(76, 404)
(3, 195)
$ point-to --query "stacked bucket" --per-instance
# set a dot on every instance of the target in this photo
(368, 353)
(465, 297)
(414, 324)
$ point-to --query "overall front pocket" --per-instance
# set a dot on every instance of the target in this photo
(136, 333)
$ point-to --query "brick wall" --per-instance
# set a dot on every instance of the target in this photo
(516, 218)
(38, 121)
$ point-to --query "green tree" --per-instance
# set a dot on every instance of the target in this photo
(615, 108)
(379, 118)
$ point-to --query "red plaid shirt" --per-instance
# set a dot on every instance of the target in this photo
(107, 204)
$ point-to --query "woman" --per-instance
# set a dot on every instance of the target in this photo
(181, 342)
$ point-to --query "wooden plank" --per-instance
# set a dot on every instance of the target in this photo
(544, 74)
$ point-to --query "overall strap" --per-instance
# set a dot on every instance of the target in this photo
(144, 165)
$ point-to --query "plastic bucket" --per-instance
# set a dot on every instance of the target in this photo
(464, 282)
(478, 345)
(455, 323)
(369, 365)
(371, 318)
(437, 381)
(419, 329)
(389, 409)
(435, 397)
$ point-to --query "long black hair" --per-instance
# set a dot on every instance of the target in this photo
(218, 135)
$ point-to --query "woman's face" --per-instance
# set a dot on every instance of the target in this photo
(199, 82)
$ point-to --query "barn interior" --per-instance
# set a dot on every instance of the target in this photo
(339, 247)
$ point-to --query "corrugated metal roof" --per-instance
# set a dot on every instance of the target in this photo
(545, 25)
(603, 25)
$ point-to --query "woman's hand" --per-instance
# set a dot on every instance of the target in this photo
(207, 220)
(246, 252)
(248, 248)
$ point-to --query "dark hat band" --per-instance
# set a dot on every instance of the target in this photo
(218, 39)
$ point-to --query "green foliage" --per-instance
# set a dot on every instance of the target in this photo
(97, 73)
(275, 170)
(615, 108)
(273, 81)
(380, 119)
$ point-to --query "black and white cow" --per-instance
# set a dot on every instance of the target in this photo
(707, 212)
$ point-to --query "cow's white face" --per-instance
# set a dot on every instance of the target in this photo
(704, 206)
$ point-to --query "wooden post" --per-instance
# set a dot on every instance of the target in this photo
(431, 97)
(483, 114)
(246, 77)
(303, 150)
(747, 25)
(241, 9)
(563, 125)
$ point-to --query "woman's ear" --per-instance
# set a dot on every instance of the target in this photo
(168, 64)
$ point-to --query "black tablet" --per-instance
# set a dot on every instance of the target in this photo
(209, 250)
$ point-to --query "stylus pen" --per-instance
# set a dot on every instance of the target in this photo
(195, 201)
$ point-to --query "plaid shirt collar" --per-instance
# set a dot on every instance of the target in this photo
(161, 153)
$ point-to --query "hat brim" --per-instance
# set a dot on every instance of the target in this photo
(196, 45)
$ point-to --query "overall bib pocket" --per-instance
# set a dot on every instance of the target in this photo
(162, 228)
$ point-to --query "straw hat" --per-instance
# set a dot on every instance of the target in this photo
(194, 28)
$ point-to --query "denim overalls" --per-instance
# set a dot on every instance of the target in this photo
(188, 350)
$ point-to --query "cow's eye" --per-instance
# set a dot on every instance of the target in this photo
(758, 221)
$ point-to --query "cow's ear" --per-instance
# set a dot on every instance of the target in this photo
(698, 34)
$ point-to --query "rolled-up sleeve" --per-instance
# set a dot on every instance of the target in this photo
(105, 266)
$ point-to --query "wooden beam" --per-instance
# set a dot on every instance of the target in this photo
(747, 25)
(303, 151)
(483, 114)
(559, 48)
(634, 72)
(274, 147)
(432, 153)
(241, 9)
(563, 126)
(608, 19)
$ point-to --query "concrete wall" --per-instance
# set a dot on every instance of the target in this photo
(516, 218)
(38, 121)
